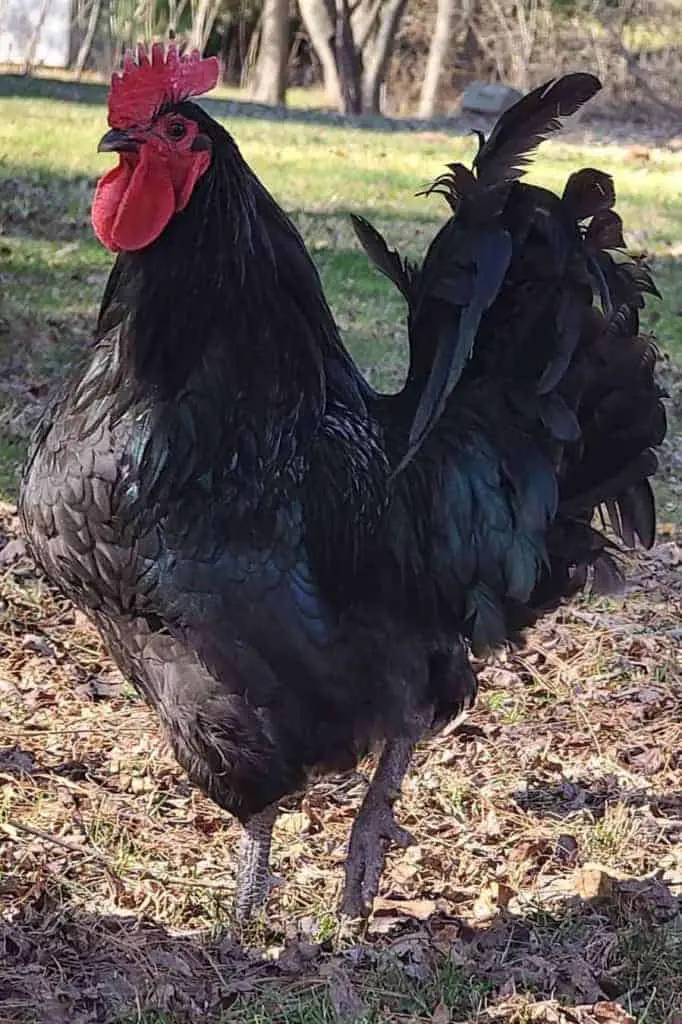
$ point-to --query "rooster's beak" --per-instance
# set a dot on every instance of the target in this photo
(117, 141)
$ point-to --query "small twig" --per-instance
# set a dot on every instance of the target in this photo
(181, 882)
(46, 836)
(142, 873)
(640, 78)
(575, 702)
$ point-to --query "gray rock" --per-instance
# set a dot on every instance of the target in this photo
(490, 98)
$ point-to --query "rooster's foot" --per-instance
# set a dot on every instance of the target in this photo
(374, 828)
(254, 880)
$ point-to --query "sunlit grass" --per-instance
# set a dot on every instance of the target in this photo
(53, 269)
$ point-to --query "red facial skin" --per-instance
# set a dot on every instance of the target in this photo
(134, 202)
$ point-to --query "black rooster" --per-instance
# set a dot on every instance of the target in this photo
(288, 565)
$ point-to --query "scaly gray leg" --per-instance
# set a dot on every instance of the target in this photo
(254, 880)
(375, 825)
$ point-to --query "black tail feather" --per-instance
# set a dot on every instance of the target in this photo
(386, 260)
(503, 157)
(524, 325)
(589, 192)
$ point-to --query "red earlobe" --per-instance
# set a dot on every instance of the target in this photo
(183, 191)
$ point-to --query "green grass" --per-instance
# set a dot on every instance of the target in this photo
(387, 994)
(52, 270)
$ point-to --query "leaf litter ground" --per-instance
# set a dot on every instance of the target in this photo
(544, 884)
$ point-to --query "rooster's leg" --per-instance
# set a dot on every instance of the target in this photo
(253, 873)
(375, 826)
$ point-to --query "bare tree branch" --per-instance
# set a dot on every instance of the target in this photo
(638, 75)
(322, 31)
(375, 66)
(86, 44)
(35, 37)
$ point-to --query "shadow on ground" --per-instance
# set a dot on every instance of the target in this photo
(55, 207)
(60, 963)
(568, 798)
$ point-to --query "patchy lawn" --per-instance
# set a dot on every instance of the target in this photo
(546, 880)
(52, 270)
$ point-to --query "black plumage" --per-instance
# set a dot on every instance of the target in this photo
(290, 566)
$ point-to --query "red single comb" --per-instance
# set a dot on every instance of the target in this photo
(144, 85)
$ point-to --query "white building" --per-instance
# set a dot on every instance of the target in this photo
(19, 20)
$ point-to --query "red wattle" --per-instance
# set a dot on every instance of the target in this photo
(134, 202)
(108, 194)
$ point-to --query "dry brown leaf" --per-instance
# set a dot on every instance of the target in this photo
(493, 897)
(419, 909)
(444, 935)
(609, 1013)
(491, 825)
(295, 823)
(593, 881)
(541, 1013)
(403, 873)
(441, 1014)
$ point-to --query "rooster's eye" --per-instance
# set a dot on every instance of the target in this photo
(176, 130)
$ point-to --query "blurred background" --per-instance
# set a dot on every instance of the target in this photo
(396, 57)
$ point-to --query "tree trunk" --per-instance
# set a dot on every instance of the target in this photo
(86, 45)
(322, 35)
(438, 52)
(270, 75)
(347, 61)
(363, 20)
(353, 48)
(377, 61)
(203, 18)
(30, 54)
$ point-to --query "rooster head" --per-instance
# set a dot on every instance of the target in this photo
(162, 151)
